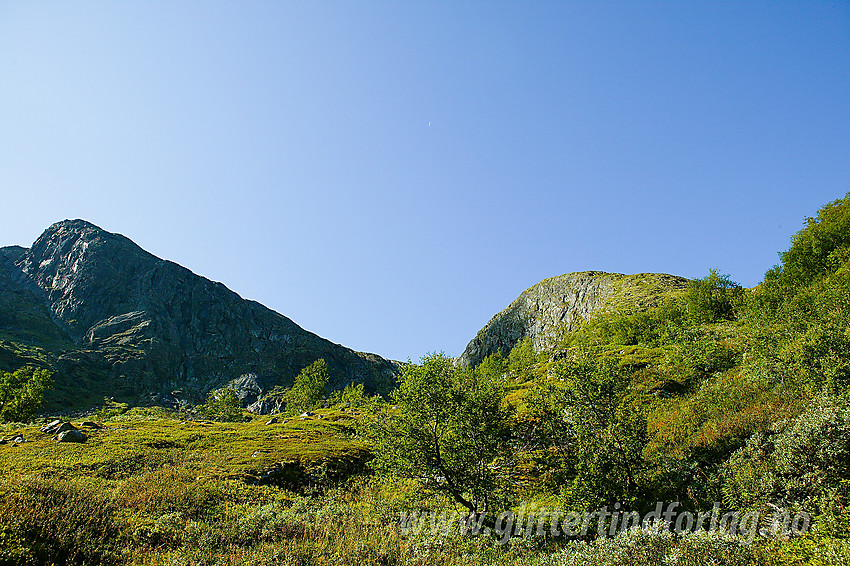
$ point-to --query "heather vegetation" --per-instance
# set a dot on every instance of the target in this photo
(718, 397)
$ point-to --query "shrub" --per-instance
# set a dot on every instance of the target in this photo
(222, 405)
(804, 462)
(451, 430)
(713, 298)
(308, 390)
(22, 392)
(821, 247)
(46, 522)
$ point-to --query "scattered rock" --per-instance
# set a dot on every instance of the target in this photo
(273, 420)
(18, 439)
(73, 435)
(63, 428)
(51, 427)
(307, 414)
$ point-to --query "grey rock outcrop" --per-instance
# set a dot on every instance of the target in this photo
(559, 304)
(250, 387)
(267, 405)
(112, 319)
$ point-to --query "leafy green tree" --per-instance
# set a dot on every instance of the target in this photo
(522, 360)
(821, 247)
(354, 394)
(451, 430)
(592, 433)
(222, 405)
(22, 393)
(713, 298)
(309, 388)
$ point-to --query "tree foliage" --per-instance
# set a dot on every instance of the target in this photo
(591, 432)
(450, 429)
(222, 405)
(821, 247)
(713, 298)
(308, 390)
(22, 393)
(803, 461)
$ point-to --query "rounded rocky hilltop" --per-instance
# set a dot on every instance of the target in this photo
(559, 303)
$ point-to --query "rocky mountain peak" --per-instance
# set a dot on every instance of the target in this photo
(156, 326)
(560, 303)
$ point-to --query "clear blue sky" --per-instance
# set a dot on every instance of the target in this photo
(391, 174)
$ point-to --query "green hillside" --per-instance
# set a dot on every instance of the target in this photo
(713, 397)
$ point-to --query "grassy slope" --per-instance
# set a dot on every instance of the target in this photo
(145, 440)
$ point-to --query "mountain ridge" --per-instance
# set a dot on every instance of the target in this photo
(158, 326)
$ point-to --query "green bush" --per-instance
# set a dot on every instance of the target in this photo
(800, 463)
(222, 405)
(47, 522)
(821, 247)
(22, 393)
(713, 298)
(308, 390)
(451, 430)
(591, 433)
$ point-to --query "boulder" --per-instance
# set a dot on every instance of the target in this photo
(250, 387)
(91, 424)
(63, 428)
(50, 427)
(73, 435)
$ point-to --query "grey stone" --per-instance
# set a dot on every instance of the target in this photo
(266, 405)
(51, 426)
(74, 435)
(250, 387)
(63, 428)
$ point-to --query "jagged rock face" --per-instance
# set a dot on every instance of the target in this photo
(158, 326)
(558, 304)
(250, 387)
